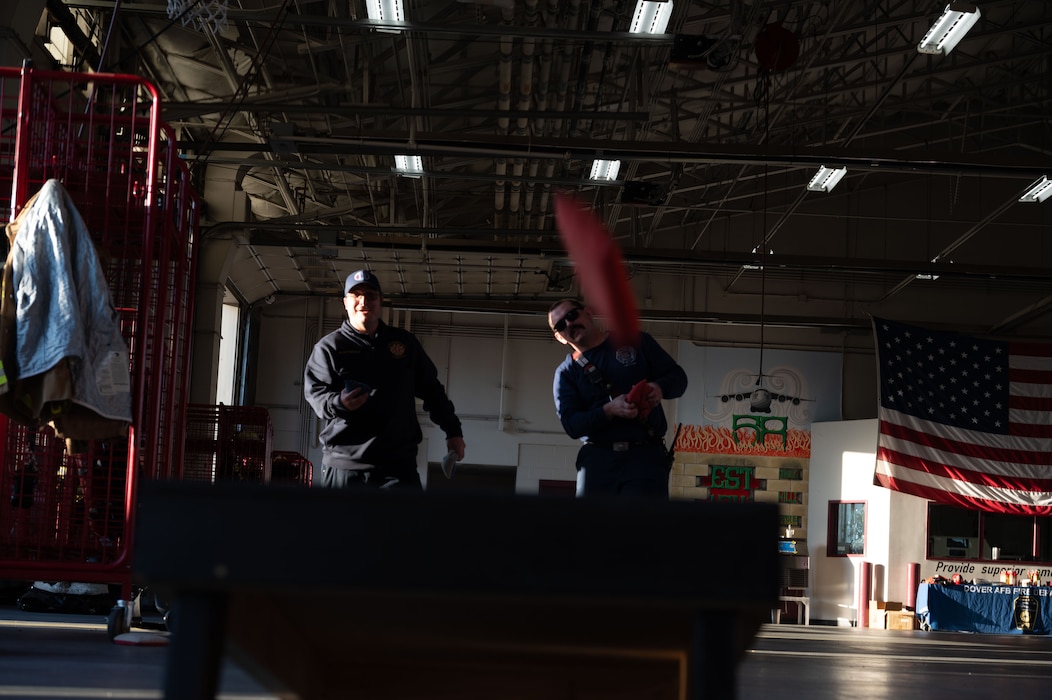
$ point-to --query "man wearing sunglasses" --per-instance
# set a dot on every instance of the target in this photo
(610, 398)
(363, 380)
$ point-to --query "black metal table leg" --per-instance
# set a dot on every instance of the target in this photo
(711, 661)
(195, 652)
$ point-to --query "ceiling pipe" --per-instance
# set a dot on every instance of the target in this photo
(841, 327)
(293, 102)
(507, 16)
(418, 98)
(394, 238)
(946, 251)
(544, 119)
(525, 92)
(540, 122)
(370, 26)
(584, 60)
(503, 375)
(669, 153)
(557, 124)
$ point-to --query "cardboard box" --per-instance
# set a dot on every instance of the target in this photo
(889, 615)
(878, 619)
(901, 620)
(888, 605)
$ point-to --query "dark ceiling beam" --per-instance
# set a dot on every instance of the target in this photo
(174, 111)
(513, 242)
(269, 17)
(315, 165)
(434, 145)
(521, 307)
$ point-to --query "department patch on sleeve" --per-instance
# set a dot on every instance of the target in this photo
(397, 349)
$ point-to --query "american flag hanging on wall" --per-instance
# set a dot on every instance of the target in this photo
(965, 421)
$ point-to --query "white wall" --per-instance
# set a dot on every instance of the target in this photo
(282, 354)
(842, 462)
(503, 394)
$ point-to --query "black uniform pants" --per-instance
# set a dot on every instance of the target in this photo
(350, 474)
(638, 470)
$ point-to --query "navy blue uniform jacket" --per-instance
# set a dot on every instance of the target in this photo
(385, 430)
(579, 401)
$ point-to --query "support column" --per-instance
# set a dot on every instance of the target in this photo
(865, 584)
(912, 581)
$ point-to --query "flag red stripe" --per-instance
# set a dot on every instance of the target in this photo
(1031, 430)
(958, 473)
(1030, 349)
(1029, 376)
(964, 449)
(956, 499)
(1030, 403)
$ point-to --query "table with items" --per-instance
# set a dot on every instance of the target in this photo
(992, 608)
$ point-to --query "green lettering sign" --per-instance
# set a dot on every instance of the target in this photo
(732, 478)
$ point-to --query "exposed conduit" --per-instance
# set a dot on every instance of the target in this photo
(525, 92)
(503, 375)
(507, 16)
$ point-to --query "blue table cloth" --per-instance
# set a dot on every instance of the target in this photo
(985, 608)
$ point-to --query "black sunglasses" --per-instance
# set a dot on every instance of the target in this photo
(571, 315)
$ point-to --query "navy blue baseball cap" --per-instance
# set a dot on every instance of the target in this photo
(360, 277)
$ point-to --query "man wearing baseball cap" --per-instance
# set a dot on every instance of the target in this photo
(363, 380)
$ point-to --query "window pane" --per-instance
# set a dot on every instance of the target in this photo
(1014, 534)
(848, 528)
(959, 533)
(1044, 543)
(953, 533)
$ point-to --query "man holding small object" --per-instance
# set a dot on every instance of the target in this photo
(363, 380)
(610, 398)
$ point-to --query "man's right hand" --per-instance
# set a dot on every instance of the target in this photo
(354, 399)
(619, 407)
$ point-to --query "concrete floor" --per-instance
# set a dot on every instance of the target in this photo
(820, 662)
(50, 655)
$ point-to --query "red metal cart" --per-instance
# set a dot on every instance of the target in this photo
(290, 468)
(227, 443)
(68, 514)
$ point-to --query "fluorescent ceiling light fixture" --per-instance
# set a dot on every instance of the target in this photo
(389, 10)
(1039, 191)
(604, 170)
(409, 166)
(950, 28)
(650, 17)
(750, 266)
(826, 179)
(928, 275)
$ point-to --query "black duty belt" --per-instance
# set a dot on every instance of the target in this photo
(623, 446)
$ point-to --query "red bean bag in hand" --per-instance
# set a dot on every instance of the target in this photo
(638, 395)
